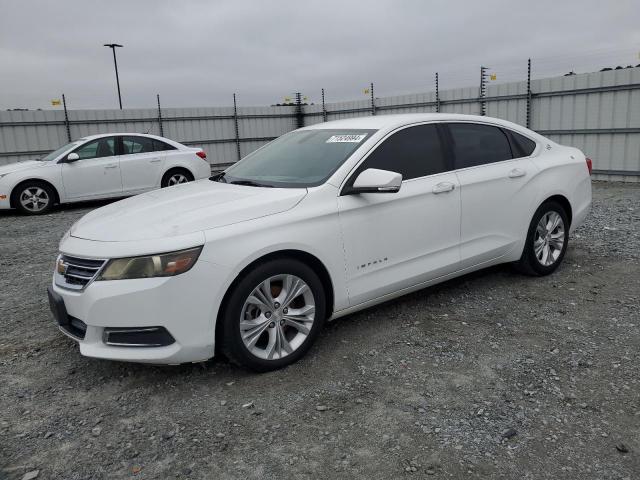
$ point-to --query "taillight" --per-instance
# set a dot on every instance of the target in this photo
(589, 165)
(202, 155)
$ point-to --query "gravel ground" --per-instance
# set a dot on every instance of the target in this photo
(490, 375)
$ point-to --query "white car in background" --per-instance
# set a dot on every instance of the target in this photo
(322, 222)
(99, 167)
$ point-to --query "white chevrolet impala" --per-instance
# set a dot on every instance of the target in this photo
(98, 167)
(322, 222)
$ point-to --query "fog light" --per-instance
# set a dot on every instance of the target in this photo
(137, 337)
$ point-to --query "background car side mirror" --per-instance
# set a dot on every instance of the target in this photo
(373, 180)
(72, 157)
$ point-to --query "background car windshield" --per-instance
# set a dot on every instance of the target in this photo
(299, 159)
(53, 155)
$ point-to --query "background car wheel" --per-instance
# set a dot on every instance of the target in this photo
(547, 240)
(273, 315)
(176, 176)
(33, 198)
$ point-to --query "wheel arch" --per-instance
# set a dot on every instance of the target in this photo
(564, 202)
(305, 257)
(14, 190)
(174, 168)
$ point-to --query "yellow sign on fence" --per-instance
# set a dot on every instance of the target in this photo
(56, 102)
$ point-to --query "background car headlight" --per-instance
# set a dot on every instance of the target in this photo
(162, 265)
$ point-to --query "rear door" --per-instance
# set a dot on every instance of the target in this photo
(396, 240)
(141, 162)
(96, 173)
(494, 186)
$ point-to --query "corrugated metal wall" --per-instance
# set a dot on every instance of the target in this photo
(596, 112)
(25, 135)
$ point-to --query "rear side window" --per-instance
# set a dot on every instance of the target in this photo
(414, 152)
(521, 145)
(137, 145)
(159, 146)
(475, 144)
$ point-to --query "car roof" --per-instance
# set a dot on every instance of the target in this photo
(391, 122)
(129, 134)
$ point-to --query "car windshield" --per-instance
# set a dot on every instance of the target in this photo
(304, 158)
(56, 153)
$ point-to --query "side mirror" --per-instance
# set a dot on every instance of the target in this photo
(72, 157)
(373, 180)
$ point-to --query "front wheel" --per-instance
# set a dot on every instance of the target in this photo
(273, 315)
(33, 198)
(547, 240)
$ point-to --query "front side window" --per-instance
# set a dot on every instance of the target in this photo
(302, 158)
(413, 152)
(102, 147)
(475, 144)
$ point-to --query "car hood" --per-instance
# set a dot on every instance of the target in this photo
(19, 166)
(183, 209)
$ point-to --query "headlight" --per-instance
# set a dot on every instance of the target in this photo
(162, 265)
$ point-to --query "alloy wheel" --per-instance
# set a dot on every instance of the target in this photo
(549, 238)
(34, 199)
(277, 317)
(177, 178)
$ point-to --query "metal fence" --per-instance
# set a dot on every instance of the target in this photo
(596, 112)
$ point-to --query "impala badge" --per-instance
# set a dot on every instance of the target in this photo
(371, 263)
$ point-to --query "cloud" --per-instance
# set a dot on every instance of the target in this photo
(197, 53)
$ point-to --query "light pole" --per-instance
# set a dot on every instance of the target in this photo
(113, 46)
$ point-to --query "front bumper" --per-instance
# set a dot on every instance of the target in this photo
(185, 305)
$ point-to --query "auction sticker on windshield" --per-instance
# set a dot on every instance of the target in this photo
(346, 138)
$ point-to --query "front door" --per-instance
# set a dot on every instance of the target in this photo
(397, 240)
(96, 173)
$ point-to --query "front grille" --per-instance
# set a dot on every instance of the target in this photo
(75, 273)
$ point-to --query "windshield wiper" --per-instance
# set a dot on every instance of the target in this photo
(250, 183)
(218, 177)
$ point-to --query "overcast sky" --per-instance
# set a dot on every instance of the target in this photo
(197, 53)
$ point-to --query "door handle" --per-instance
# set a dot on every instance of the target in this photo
(443, 187)
(110, 166)
(154, 160)
(517, 172)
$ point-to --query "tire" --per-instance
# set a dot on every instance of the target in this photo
(33, 197)
(254, 325)
(543, 251)
(176, 176)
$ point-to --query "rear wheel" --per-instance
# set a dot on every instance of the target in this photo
(33, 198)
(176, 176)
(547, 240)
(273, 315)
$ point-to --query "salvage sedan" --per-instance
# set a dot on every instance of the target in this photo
(322, 222)
(99, 167)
